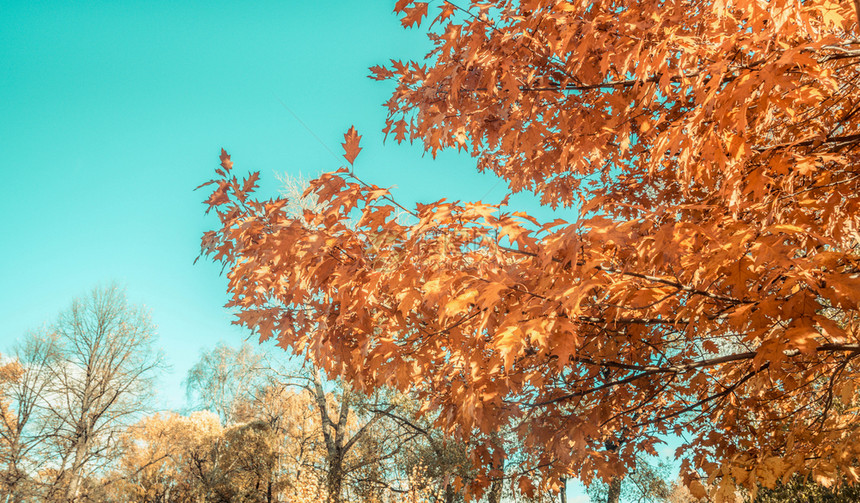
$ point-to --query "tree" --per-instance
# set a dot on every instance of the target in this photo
(156, 465)
(797, 490)
(705, 280)
(10, 373)
(443, 461)
(293, 418)
(224, 378)
(97, 383)
(356, 437)
(24, 430)
(327, 431)
(647, 483)
(169, 457)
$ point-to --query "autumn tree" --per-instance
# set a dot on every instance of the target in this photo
(291, 414)
(705, 278)
(443, 461)
(170, 457)
(798, 490)
(162, 455)
(241, 464)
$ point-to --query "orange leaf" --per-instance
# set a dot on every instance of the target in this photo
(225, 160)
(350, 144)
(379, 72)
(447, 11)
(414, 14)
(226, 163)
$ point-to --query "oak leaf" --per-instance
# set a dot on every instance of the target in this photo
(350, 144)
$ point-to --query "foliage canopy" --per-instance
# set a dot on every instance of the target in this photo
(707, 285)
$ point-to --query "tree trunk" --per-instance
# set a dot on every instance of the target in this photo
(334, 479)
(334, 433)
(614, 493)
(13, 476)
(73, 489)
(564, 490)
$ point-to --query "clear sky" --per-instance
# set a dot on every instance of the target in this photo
(112, 112)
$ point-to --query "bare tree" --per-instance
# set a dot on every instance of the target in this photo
(100, 381)
(225, 378)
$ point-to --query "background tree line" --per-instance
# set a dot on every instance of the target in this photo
(78, 424)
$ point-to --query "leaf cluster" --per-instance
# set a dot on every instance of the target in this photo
(705, 284)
